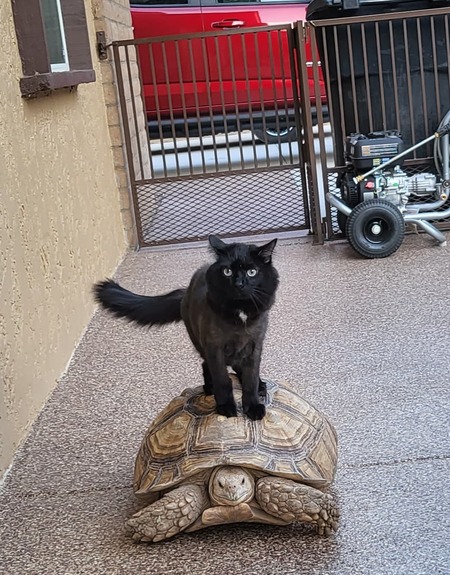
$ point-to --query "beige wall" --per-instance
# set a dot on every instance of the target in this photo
(60, 230)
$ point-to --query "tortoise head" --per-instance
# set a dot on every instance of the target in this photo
(229, 485)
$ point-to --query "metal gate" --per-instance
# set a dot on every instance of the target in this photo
(242, 132)
(211, 127)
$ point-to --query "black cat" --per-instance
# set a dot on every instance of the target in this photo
(225, 310)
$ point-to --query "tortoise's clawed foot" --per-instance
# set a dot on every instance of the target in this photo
(327, 522)
(169, 515)
(293, 501)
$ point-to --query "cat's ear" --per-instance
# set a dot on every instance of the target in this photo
(217, 245)
(265, 252)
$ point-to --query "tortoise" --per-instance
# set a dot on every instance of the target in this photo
(196, 468)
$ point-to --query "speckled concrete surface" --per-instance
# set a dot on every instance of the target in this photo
(366, 341)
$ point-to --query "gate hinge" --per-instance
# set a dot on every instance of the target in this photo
(101, 46)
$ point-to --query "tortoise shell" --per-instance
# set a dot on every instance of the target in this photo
(293, 440)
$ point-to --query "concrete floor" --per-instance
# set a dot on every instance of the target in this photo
(366, 341)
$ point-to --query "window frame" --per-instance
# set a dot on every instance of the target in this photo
(38, 77)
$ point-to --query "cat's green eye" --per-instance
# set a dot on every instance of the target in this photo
(227, 272)
(252, 272)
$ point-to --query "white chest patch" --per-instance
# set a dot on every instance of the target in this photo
(243, 316)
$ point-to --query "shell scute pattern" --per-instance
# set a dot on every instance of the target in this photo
(294, 440)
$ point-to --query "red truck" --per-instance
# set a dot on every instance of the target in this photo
(240, 81)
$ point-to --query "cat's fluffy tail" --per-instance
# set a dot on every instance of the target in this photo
(144, 310)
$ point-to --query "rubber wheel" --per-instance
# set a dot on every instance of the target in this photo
(272, 135)
(341, 221)
(375, 228)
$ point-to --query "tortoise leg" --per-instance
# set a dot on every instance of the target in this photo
(168, 516)
(298, 502)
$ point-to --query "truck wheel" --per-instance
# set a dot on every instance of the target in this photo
(274, 135)
(375, 228)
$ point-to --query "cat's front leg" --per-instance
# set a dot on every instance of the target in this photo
(221, 383)
(208, 383)
(262, 387)
(250, 382)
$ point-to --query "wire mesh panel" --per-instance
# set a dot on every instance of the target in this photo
(212, 128)
(230, 205)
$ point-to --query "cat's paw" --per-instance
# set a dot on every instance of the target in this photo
(255, 411)
(227, 409)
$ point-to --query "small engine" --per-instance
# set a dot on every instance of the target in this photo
(363, 153)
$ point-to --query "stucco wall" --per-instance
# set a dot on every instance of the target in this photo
(60, 230)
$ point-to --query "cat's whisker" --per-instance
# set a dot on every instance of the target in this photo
(257, 293)
(254, 300)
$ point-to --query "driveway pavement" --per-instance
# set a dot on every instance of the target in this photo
(365, 341)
